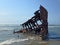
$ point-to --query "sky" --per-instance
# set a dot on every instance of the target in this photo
(19, 11)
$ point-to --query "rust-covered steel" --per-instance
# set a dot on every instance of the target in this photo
(40, 15)
(32, 24)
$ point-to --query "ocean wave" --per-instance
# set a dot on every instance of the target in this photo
(53, 26)
(10, 41)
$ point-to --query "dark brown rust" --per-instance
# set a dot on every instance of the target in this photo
(32, 25)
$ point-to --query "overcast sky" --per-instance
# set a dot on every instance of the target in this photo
(19, 11)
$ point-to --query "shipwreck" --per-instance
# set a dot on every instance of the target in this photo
(32, 25)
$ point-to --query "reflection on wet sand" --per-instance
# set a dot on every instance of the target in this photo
(36, 40)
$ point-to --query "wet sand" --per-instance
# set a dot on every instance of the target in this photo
(36, 40)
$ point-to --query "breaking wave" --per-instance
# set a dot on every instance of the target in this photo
(10, 41)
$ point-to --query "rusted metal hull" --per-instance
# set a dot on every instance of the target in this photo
(32, 25)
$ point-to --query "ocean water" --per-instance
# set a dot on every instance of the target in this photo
(8, 38)
(54, 32)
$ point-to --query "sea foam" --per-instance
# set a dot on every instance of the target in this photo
(10, 41)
